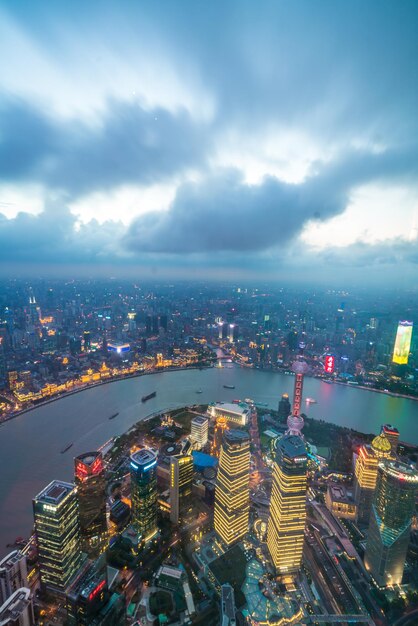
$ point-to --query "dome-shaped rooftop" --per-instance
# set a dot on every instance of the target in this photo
(381, 446)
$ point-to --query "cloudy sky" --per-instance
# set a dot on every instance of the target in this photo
(221, 139)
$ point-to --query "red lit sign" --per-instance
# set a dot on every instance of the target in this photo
(97, 466)
(81, 470)
(329, 364)
(97, 590)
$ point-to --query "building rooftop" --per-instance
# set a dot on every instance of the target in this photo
(14, 606)
(236, 436)
(55, 492)
(381, 446)
(228, 601)
(239, 409)
(11, 559)
(292, 445)
(88, 458)
(143, 456)
(339, 493)
(401, 471)
(199, 420)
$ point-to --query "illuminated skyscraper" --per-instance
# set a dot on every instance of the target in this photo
(199, 431)
(392, 434)
(232, 490)
(402, 343)
(390, 522)
(365, 475)
(144, 493)
(91, 486)
(286, 524)
(57, 532)
(181, 478)
(284, 407)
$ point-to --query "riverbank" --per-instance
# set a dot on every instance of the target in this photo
(115, 379)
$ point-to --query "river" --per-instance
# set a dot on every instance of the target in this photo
(31, 444)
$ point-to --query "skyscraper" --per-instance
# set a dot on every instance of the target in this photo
(402, 343)
(58, 534)
(18, 609)
(181, 478)
(91, 487)
(199, 431)
(144, 493)
(284, 407)
(232, 490)
(392, 434)
(365, 475)
(13, 574)
(286, 524)
(390, 522)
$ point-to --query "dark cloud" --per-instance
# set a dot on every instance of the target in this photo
(128, 145)
(222, 213)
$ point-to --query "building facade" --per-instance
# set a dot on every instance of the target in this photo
(181, 479)
(144, 493)
(199, 431)
(232, 487)
(89, 477)
(57, 531)
(13, 574)
(18, 609)
(365, 475)
(390, 522)
(286, 524)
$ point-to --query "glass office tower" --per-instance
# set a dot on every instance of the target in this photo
(144, 493)
(390, 522)
(58, 534)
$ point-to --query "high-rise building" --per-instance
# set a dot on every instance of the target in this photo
(199, 431)
(18, 609)
(284, 407)
(89, 474)
(402, 343)
(365, 475)
(13, 574)
(57, 532)
(286, 524)
(181, 479)
(390, 522)
(89, 601)
(144, 493)
(392, 434)
(228, 609)
(232, 487)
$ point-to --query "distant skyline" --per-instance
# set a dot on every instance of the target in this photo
(221, 140)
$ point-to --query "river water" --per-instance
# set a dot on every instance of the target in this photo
(31, 444)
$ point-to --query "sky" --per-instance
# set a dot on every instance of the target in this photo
(212, 140)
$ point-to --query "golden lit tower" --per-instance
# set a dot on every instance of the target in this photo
(365, 474)
(286, 524)
(232, 491)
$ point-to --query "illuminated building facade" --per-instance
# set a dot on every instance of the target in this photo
(402, 343)
(284, 407)
(57, 531)
(392, 434)
(390, 522)
(199, 431)
(89, 474)
(286, 524)
(13, 574)
(220, 427)
(365, 475)
(181, 478)
(232, 489)
(235, 414)
(144, 493)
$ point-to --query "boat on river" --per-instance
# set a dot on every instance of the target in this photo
(67, 447)
(149, 396)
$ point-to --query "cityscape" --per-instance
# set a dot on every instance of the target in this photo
(229, 511)
(208, 313)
